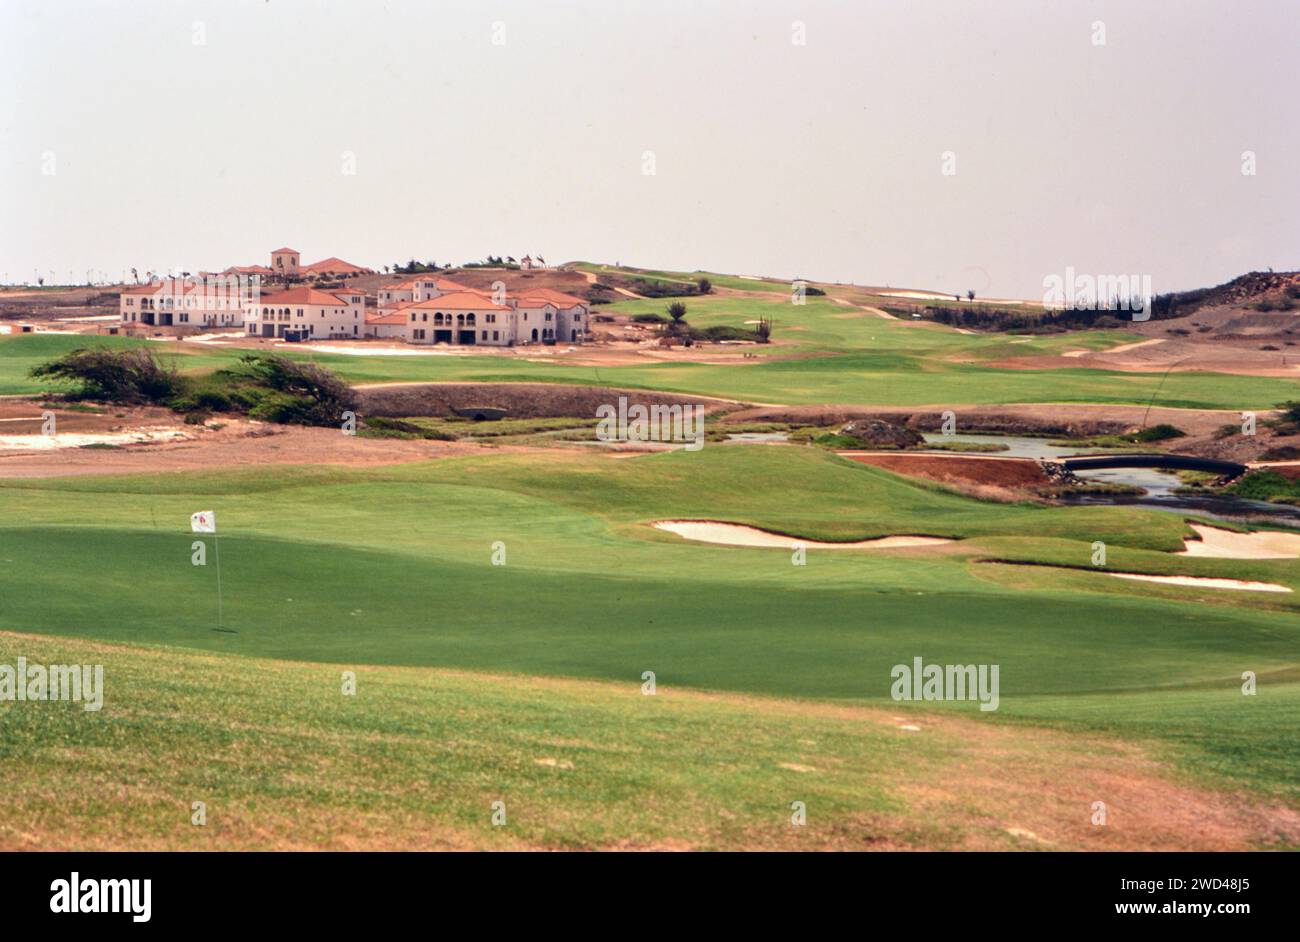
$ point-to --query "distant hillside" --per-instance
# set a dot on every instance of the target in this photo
(1259, 289)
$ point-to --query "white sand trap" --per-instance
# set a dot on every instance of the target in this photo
(1225, 544)
(1125, 347)
(1076, 353)
(734, 534)
(1205, 583)
(71, 440)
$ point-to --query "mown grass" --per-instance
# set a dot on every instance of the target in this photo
(394, 566)
(281, 757)
(841, 356)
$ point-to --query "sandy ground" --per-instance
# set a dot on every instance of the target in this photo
(734, 534)
(990, 470)
(1225, 544)
(239, 444)
(1203, 582)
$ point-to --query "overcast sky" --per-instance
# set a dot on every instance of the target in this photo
(169, 134)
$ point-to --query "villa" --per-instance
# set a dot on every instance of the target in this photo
(437, 310)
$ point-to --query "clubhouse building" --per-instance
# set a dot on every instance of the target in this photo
(426, 309)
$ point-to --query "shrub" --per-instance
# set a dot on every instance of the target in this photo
(705, 286)
(650, 319)
(301, 393)
(1159, 433)
(130, 376)
(677, 311)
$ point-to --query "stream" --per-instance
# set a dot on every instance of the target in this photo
(1159, 485)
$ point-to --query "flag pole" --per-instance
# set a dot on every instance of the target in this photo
(216, 539)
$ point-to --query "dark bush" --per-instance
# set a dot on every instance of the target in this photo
(1159, 433)
(301, 393)
(130, 376)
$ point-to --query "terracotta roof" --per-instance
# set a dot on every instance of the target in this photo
(459, 301)
(535, 302)
(559, 297)
(143, 289)
(333, 264)
(278, 251)
(385, 318)
(302, 296)
(250, 269)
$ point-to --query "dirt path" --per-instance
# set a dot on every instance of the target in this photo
(591, 280)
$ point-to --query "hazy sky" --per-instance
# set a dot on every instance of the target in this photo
(522, 127)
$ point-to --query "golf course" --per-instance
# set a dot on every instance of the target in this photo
(529, 671)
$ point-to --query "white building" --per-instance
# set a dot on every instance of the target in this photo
(469, 317)
(310, 313)
(207, 301)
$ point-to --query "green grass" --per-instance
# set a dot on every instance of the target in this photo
(829, 354)
(393, 566)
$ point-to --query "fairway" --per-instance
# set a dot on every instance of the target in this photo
(394, 566)
(861, 360)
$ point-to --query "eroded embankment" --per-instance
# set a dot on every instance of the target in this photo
(520, 400)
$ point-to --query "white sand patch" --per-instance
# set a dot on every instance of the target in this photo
(734, 534)
(934, 296)
(796, 767)
(1125, 347)
(910, 728)
(1225, 544)
(1204, 583)
(554, 763)
(71, 440)
(1076, 353)
(366, 351)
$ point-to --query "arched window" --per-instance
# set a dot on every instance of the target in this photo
(470, 320)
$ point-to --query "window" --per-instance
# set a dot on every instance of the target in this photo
(494, 335)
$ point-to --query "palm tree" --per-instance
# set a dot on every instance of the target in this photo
(677, 311)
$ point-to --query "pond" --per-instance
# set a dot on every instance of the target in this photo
(1158, 485)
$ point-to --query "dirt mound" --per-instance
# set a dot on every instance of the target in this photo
(877, 433)
(1065, 421)
(961, 469)
(520, 400)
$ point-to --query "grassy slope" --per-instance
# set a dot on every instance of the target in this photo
(393, 566)
(844, 356)
(417, 757)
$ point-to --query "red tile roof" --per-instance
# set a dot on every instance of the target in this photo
(303, 296)
(385, 318)
(459, 301)
(336, 265)
(280, 251)
(559, 297)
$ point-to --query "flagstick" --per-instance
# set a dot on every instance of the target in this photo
(216, 539)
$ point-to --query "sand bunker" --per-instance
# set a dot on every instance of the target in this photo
(733, 534)
(1225, 544)
(1204, 583)
(72, 440)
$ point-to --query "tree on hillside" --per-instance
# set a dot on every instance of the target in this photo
(705, 286)
(970, 294)
(677, 311)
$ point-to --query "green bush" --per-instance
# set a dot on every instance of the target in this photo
(1159, 433)
(131, 376)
